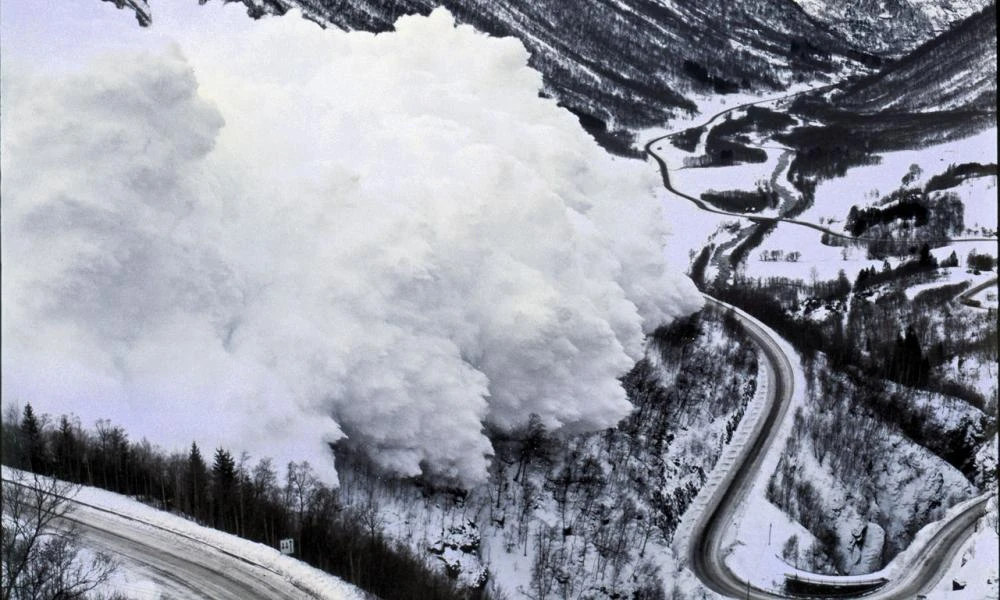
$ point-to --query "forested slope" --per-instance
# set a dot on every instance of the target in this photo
(627, 64)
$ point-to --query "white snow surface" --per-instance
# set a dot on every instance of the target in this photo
(975, 566)
(834, 197)
(697, 181)
(313, 235)
(200, 539)
(979, 198)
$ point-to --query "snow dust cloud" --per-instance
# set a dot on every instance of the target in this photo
(269, 236)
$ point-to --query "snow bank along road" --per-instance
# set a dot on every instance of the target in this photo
(181, 566)
(704, 549)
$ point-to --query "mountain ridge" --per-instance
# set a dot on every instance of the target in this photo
(890, 28)
(635, 63)
(956, 70)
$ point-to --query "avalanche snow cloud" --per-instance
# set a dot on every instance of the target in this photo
(270, 236)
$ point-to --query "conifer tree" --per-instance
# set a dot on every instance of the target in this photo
(223, 489)
(196, 482)
(33, 444)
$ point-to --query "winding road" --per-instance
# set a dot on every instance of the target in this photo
(704, 549)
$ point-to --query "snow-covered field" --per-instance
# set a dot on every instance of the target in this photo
(696, 181)
(834, 197)
(827, 261)
(865, 184)
(862, 186)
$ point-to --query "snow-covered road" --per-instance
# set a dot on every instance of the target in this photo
(704, 551)
(182, 560)
(179, 567)
(915, 572)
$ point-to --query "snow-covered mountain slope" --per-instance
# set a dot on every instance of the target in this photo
(957, 70)
(630, 63)
(890, 27)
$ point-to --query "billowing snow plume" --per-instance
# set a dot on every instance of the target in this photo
(272, 236)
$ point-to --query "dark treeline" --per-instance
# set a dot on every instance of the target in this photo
(761, 230)
(908, 208)
(699, 265)
(940, 295)
(764, 119)
(905, 219)
(907, 364)
(765, 303)
(619, 142)
(228, 493)
(925, 263)
(847, 140)
(756, 119)
(742, 201)
(956, 174)
(719, 85)
(726, 143)
(825, 152)
(980, 262)
(721, 152)
(687, 140)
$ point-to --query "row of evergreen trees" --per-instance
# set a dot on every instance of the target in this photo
(230, 494)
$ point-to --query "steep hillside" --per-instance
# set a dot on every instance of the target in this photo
(890, 27)
(584, 516)
(956, 70)
(632, 63)
(944, 90)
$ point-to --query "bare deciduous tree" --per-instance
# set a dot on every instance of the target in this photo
(41, 557)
